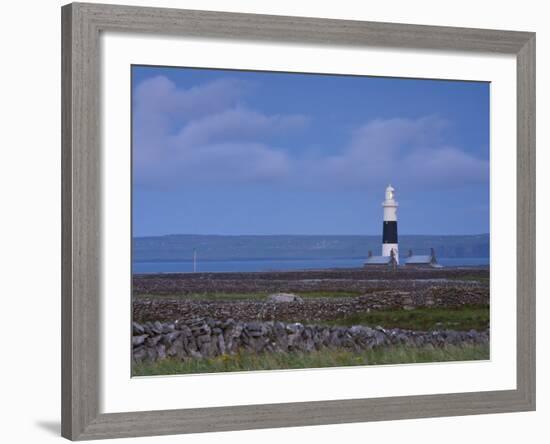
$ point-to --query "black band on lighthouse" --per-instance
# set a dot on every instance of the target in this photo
(389, 235)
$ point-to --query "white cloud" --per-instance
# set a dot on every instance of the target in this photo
(410, 152)
(205, 134)
(236, 124)
(160, 95)
(234, 163)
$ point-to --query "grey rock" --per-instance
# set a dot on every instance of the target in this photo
(152, 341)
(161, 351)
(157, 327)
(138, 340)
(284, 297)
(203, 339)
(171, 337)
(139, 354)
(167, 328)
(137, 329)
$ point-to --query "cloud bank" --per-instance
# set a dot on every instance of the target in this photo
(207, 134)
(410, 152)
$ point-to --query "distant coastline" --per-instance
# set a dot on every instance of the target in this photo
(249, 248)
(174, 254)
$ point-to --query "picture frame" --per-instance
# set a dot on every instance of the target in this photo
(81, 231)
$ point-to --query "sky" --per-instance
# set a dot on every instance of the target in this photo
(241, 152)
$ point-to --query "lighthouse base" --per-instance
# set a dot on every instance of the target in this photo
(387, 249)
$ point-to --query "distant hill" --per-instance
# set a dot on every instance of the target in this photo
(248, 247)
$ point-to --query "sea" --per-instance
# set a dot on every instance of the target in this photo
(277, 265)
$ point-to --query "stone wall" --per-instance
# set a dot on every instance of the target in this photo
(205, 337)
(304, 281)
(310, 310)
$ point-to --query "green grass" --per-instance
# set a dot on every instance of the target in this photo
(426, 319)
(318, 359)
(470, 278)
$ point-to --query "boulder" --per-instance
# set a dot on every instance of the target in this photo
(284, 297)
(137, 329)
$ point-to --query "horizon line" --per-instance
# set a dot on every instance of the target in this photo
(304, 235)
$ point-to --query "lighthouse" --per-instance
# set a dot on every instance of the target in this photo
(389, 233)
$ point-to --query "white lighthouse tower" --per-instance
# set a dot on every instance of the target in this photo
(389, 234)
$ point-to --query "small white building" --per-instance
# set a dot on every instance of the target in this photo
(388, 261)
(428, 260)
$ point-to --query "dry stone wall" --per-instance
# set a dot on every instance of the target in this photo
(205, 337)
(309, 309)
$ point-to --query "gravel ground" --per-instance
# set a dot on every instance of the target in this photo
(356, 280)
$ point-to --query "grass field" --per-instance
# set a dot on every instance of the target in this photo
(425, 319)
(318, 359)
(480, 279)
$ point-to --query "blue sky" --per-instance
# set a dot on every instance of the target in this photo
(234, 152)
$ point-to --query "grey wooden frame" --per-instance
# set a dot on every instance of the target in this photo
(81, 231)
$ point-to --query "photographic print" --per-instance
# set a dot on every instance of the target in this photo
(300, 220)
